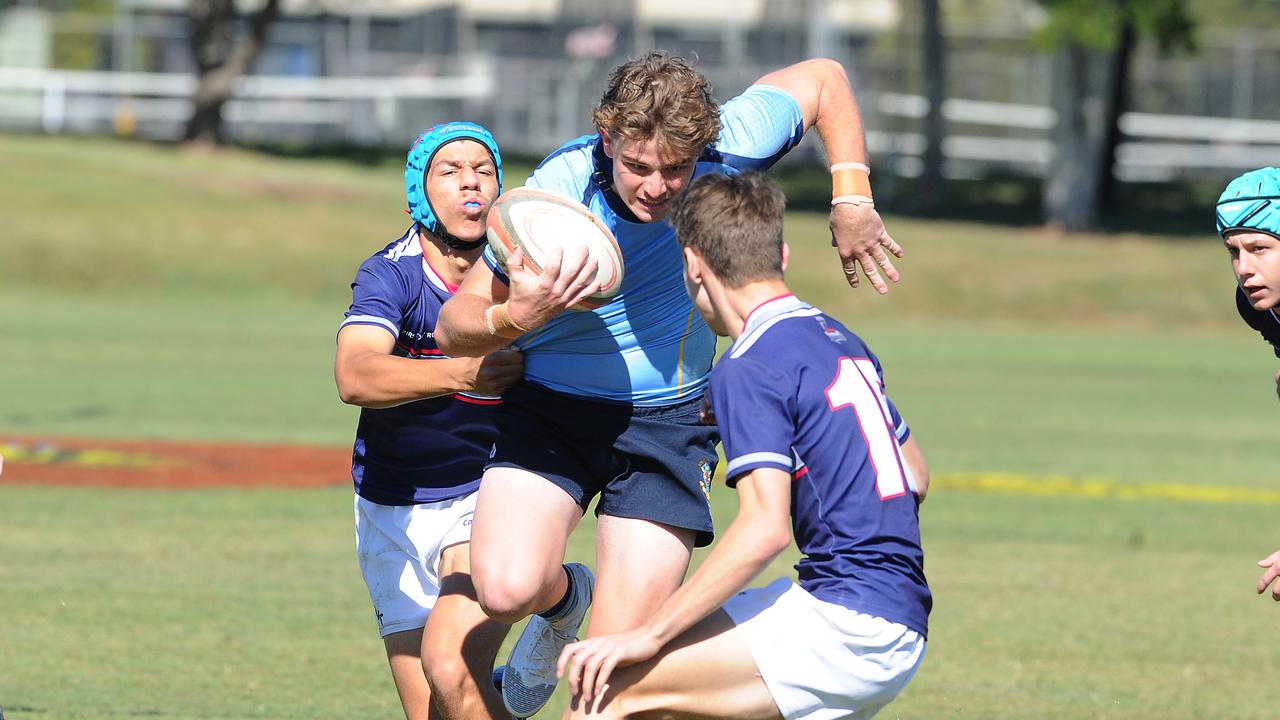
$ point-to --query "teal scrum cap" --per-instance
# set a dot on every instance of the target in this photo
(1251, 202)
(419, 159)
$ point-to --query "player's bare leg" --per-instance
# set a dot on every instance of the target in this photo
(518, 538)
(460, 644)
(707, 672)
(639, 563)
(403, 653)
(522, 524)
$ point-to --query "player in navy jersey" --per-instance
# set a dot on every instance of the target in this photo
(609, 405)
(426, 427)
(815, 449)
(1248, 220)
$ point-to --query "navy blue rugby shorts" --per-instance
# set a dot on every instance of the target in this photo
(651, 463)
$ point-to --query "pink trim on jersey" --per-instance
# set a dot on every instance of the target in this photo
(421, 353)
(432, 274)
(477, 401)
(746, 321)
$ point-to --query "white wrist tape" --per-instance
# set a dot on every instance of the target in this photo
(851, 166)
(852, 200)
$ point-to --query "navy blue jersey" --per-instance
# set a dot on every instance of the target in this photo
(428, 450)
(1266, 322)
(799, 392)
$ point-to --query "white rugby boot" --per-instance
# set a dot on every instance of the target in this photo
(529, 677)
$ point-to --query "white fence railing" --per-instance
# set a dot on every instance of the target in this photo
(982, 136)
(1145, 154)
(157, 105)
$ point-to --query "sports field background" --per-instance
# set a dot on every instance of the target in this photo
(152, 293)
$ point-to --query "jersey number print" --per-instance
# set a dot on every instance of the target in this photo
(857, 385)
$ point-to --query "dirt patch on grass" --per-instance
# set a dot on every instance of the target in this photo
(76, 461)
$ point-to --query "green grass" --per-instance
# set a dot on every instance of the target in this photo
(153, 293)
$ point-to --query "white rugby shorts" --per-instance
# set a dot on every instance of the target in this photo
(399, 548)
(823, 661)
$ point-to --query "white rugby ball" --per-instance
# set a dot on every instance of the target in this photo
(536, 221)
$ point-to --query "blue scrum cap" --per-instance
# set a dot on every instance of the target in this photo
(419, 159)
(1251, 202)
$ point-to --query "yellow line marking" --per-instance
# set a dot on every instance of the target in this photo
(1098, 488)
(99, 458)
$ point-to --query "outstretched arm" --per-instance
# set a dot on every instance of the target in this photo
(757, 535)
(821, 88)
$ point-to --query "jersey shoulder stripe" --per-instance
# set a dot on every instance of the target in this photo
(406, 246)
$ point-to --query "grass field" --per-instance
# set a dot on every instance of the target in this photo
(151, 293)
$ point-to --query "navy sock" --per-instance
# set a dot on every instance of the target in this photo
(554, 612)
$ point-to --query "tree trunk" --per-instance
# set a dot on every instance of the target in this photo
(220, 60)
(1071, 188)
(1117, 93)
(928, 197)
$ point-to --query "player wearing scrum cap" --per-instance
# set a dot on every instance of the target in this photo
(1248, 220)
(610, 403)
(426, 426)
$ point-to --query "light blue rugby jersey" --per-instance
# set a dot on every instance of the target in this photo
(648, 346)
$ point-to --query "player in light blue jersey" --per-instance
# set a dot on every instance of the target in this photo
(426, 426)
(815, 449)
(610, 402)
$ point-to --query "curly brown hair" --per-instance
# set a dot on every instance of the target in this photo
(660, 96)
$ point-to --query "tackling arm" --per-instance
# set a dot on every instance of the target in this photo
(368, 375)
(821, 89)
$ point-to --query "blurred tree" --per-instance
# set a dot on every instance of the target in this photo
(77, 45)
(1094, 42)
(221, 58)
(928, 198)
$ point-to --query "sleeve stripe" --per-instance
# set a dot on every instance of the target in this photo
(784, 461)
(370, 320)
(901, 431)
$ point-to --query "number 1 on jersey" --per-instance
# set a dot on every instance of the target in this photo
(857, 385)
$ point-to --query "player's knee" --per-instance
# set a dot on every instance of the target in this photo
(447, 674)
(508, 599)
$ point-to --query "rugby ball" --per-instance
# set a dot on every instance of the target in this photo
(536, 221)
